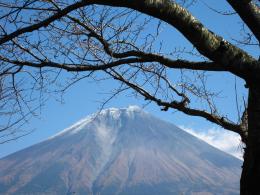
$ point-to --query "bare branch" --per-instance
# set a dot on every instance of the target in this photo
(43, 23)
(181, 106)
(76, 67)
(212, 46)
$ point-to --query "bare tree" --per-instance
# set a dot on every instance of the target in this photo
(52, 43)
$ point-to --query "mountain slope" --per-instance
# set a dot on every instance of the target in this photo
(120, 151)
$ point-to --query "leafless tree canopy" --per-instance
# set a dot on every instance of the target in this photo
(40, 40)
(48, 45)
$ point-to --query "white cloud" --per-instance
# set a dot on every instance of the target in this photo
(226, 141)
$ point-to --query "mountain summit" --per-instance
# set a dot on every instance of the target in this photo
(120, 152)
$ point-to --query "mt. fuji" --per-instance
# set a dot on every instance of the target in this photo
(120, 152)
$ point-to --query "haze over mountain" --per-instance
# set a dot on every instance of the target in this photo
(121, 151)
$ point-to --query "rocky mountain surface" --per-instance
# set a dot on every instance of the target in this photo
(120, 152)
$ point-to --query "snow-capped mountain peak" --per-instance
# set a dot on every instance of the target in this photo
(122, 151)
(114, 113)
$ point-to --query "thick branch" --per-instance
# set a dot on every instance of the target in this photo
(180, 64)
(140, 58)
(74, 67)
(210, 45)
(207, 43)
(249, 13)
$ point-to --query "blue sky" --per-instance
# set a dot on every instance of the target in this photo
(85, 97)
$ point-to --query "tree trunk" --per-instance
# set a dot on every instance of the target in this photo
(250, 178)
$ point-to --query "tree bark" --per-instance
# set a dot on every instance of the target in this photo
(250, 178)
(249, 13)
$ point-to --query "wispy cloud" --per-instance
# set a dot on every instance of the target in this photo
(224, 140)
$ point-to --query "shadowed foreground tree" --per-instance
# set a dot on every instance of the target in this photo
(49, 43)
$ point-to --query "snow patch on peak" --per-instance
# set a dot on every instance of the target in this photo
(117, 112)
(75, 127)
(134, 108)
(114, 113)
